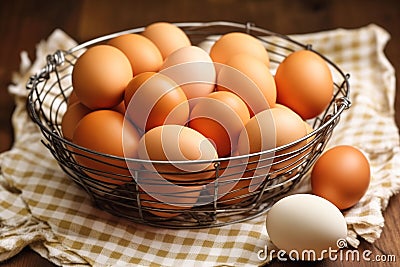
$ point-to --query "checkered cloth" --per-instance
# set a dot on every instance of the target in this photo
(41, 207)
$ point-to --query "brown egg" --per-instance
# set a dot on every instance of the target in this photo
(75, 112)
(180, 145)
(235, 43)
(193, 70)
(290, 165)
(142, 53)
(100, 75)
(269, 129)
(171, 199)
(250, 79)
(308, 126)
(341, 175)
(220, 117)
(235, 183)
(304, 83)
(167, 37)
(233, 192)
(162, 209)
(238, 194)
(258, 135)
(106, 132)
(289, 128)
(152, 99)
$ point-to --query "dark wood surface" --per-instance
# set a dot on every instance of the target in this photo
(25, 23)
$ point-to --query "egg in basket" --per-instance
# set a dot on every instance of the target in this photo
(188, 125)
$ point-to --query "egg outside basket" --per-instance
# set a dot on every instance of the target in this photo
(199, 206)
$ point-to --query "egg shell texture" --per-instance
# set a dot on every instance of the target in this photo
(75, 112)
(177, 143)
(152, 99)
(106, 132)
(341, 175)
(304, 83)
(234, 43)
(142, 53)
(220, 116)
(167, 37)
(100, 75)
(250, 79)
(193, 70)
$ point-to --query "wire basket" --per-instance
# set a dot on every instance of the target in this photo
(198, 203)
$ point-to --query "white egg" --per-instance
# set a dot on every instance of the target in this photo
(306, 226)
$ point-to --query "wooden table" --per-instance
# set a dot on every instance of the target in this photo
(25, 23)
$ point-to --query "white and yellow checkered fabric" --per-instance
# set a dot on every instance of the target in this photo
(41, 207)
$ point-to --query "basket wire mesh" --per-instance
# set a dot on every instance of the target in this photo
(200, 204)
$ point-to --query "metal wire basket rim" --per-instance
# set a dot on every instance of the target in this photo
(247, 26)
